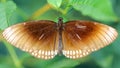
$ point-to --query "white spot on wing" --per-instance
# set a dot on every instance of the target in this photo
(52, 56)
(30, 50)
(78, 36)
(56, 52)
(70, 56)
(39, 51)
(73, 57)
(80, 26)
(52, 53)
(32, 53)
(35, 54)
(41, 37)
(70, 52)
(84, 53)
(42, 56)
(42, 52)
(74, 52)
(80, 51)
(38, 56)
(46, 57)
(26, 49)
(77, 56)
(24, 23)
(48, 53)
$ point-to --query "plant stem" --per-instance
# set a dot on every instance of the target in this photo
(40, 11)
(0, 35)
(13, 55)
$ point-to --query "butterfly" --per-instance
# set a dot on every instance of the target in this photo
(74, 39)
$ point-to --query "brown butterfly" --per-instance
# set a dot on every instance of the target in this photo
(74, 39)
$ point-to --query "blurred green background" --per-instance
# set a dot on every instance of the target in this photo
(15, 11)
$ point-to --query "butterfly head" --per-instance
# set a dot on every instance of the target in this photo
(60, 19)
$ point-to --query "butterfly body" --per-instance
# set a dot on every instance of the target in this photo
(60, 29)
(74, 39)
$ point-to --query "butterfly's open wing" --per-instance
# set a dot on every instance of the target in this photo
(39, 38)
(83, 37)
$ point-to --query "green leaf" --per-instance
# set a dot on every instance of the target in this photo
(6, 10)
(55, 3)
(58, 61)
(64, 63)
(105, 62)
(97, 9)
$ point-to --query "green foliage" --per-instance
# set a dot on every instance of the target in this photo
(14, 11)
(97, 9)
(6, 10)
(59, 62)
(55, 3)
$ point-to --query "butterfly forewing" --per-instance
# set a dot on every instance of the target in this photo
(39, 38)
(75, 39)
(80, 38)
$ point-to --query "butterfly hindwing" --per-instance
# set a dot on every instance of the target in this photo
(36, 37)
(44, 38)
(80, 38)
